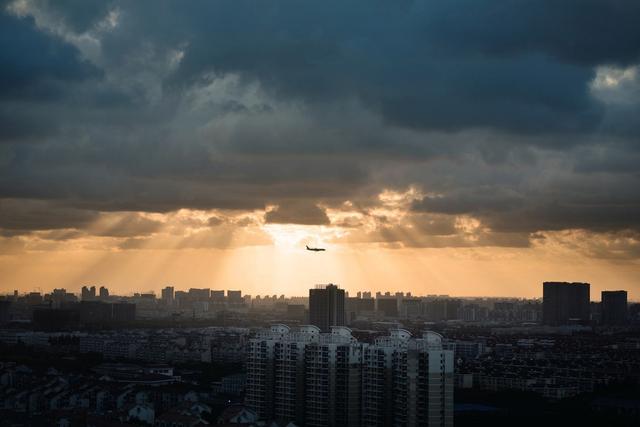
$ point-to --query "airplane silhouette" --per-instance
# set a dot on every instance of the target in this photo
(315, 249)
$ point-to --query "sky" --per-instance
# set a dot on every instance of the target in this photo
(461, 147)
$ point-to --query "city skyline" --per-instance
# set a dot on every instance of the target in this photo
(172, 289)
(440, 147)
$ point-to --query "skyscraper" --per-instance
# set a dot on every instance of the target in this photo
(614, 308)
(326, 307)
(565, 303)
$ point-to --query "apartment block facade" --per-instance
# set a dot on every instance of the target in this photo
(330, 379)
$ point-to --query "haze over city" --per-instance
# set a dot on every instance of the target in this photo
(462, 148)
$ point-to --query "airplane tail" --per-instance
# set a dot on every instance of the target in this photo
(307, 246)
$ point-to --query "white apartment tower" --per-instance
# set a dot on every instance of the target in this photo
(329, 379)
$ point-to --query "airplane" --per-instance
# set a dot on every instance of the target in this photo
(315, 249)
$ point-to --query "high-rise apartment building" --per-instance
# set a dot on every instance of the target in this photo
(565, 303)
(235, 297)
(196, 294)
(330, 379)
(327, 307)
(104, 292)
(614, 308)
(168, 295)
(88, 293)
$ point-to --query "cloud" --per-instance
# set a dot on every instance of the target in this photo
(295, 212)
(29, 215)
(124, 225)
(520, 115)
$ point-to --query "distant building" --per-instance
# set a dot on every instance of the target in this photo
(123, 312)
(296, 312)
(439, 309)
(411, 308)
(217, 296)
(387, 306)
(565, 303)
(235, 297)
(60, 297)
(85, 312)
(182, 301)
(326, 307)
(104, 292)
(168, 295)
(5, 306)
(199, 294)
(56, 319)
(614, 308)
(87, 293)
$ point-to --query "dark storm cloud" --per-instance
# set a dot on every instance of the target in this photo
(79, 15)
(156, 106)
(32, 64)
(590, 32)
(414, 62)
(587, 205)
(471, 201)
(30, 215)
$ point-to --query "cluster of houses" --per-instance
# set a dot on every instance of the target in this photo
(116, 395)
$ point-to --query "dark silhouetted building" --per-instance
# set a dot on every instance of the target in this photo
(34, 298)
(5, 306)
(55, 319)
(168, 295)
(565, 303)
(326, 307)
(104, 292)
(217, 296)
(235, 297)
(88, 293)
(437, 310)
(70, 315)
(199, 294)
(94, 312)
(59, 297)
(296, 312)
(123, 312)
(613, 310)
(387, 306)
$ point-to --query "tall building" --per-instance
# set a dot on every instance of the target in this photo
(614, 308)
(199, 294)
(326, 307)
(422, 379)
(217, 296)
(330, 379)
(565, 303)
(168, 295)
(88, 293)
(234, 297)
(104, 292)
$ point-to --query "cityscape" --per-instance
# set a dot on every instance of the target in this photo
(286, 213)
(206, 356)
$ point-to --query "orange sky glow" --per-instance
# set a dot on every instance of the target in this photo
(231, 250)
